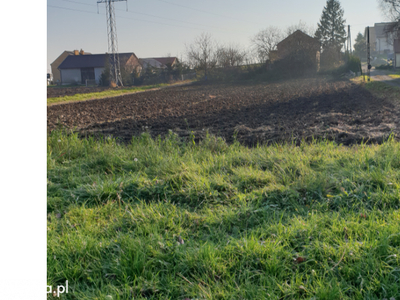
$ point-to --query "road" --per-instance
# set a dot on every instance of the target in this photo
(382, 75)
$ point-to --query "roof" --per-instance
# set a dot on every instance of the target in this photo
(151, 62)
(162, 60)
(90, 61)
(166, 60)
(300, 34)
(69, 53)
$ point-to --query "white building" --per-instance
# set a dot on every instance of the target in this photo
(381, 37)
(80, 68)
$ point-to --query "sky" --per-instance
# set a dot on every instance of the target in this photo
(154, 28)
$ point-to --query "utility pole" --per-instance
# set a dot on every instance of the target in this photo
(368, 55)
(349, 37)
(115, 70)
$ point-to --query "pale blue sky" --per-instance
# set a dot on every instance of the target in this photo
(159, 27)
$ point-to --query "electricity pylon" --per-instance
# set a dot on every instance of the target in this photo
(115, 70)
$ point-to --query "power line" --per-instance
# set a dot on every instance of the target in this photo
(79, 2)
(85, 11)
(207, 12)
(154, 16)
(53, 6)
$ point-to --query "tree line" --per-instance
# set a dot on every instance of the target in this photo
(205, 54)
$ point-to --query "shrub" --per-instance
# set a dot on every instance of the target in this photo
(354, 63)
(105, 77)
(384, 67)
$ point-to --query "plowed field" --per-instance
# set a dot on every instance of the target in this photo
(273, 112)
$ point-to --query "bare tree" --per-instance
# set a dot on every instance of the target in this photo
(231, 55)
(202, 53)
(266, 41)
(390, 8)
(310, 30)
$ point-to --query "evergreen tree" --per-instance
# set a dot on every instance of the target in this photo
(331, 29)
(360, 46)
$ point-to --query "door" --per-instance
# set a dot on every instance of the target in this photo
(87, 73)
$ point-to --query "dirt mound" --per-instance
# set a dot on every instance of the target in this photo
(296, 109)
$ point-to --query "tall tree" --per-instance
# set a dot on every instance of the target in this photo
(360, 46)
(265, 41)
(202, 53)
(331, 28)
(230, 55)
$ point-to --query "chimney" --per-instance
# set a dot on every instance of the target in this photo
(76, 52)
(81, 52)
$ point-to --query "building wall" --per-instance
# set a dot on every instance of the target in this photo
(300, 41)
(382, 45)
(132, 64)
(372, 39)
(97, 74)
(69, 76)
(295, 42)
(54, 66)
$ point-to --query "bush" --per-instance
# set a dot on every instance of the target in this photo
(105, 77)
(330, 58)
(354, 63)
(298, 63)
(384, 67)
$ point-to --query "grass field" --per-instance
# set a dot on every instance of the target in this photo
(103, 94)
(162, 219)
(384, 91)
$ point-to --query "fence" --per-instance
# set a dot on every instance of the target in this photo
(90, 82)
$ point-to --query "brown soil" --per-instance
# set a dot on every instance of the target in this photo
(274, 112)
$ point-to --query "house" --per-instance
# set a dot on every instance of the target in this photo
(158, 62)
(78, 69)
(56, 63)
(151, 63)
(167, 61)
(298, 40)
(381, 37)
(372, 39)
(396, 47)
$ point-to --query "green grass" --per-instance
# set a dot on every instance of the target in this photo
(361, 79)
(103, 94)
(395, 76)
(382, 90)
(318, 221)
